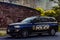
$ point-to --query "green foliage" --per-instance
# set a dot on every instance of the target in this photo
(54, 12)
(51, 13)
(57, 10)
(3, 33)
(59, 28)
(40, 10)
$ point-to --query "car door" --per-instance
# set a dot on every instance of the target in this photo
(40, 24)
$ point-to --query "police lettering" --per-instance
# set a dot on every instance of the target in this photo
(40, 27)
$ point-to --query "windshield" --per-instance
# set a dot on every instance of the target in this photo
(28, 20)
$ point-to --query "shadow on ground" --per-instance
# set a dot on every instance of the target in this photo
(35, 36)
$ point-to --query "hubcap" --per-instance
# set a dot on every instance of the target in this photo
(52, 32)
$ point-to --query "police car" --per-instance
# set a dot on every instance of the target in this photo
(35, 24)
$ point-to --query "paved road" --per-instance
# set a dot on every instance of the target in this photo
(35, 37)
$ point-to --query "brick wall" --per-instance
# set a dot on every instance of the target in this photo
(10, 13)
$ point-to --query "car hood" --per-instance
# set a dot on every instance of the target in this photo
(20, 23)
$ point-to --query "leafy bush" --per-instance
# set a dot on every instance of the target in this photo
(3, 33)
(54, 12)
(57, 10)
(51, 13)
(40, 10)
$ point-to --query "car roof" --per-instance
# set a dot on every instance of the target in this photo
(41, 17)
(45, 17)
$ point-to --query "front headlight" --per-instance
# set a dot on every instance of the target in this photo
(16, 26)
(8, 30)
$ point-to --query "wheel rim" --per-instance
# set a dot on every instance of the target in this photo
(52, 32)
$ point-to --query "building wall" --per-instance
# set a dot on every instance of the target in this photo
(45, 4)
(10, 12)
(1, 0)
(52, 4)
(41, 3)
(29, 3)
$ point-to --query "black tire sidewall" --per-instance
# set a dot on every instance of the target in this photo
(13, 36)
(40, 34)
(52, 32)
(25, 35)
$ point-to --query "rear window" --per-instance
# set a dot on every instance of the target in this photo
(47, 20)
(52, 20)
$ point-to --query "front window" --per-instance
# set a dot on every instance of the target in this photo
(28, 20)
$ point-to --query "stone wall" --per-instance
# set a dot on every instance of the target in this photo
(10, 13)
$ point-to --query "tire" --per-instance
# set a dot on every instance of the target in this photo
(25, 34)
(40, 34)
(52, 32)
(14, 36)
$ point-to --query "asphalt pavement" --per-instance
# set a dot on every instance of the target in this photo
(35, 37)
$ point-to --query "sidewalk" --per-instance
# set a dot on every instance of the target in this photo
(3, 32)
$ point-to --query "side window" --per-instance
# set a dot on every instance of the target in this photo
(36, 20)
(52, 20)
(44, 20)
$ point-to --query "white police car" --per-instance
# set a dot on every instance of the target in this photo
(35, 24)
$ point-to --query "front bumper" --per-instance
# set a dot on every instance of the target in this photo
(14, 32)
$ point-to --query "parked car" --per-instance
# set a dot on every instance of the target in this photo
(35, 24)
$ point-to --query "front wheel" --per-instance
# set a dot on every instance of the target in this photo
(52, 32)
(25, 34)
(40, 34)
(13, 36)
